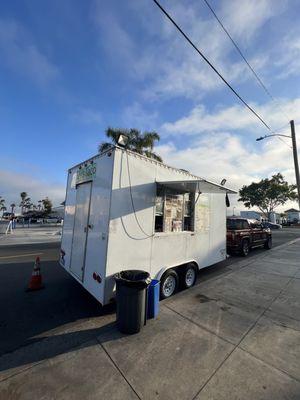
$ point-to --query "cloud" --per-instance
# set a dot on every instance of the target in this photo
(221, 155)
(289, 59)
(115, 40)
(236, 118)
(185, 73)
(19, 53)
(13, 183)
(164, 63)
(87, 116)
(221, 144)
(135, 116)
(245, 18)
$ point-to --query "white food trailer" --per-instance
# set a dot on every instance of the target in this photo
(126, 211)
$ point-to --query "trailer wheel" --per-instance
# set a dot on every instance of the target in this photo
(189, 276)
(168, 284)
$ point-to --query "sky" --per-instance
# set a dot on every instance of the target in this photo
(69, 69)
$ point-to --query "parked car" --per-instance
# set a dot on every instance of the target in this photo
(7, 215)
(272, 225)
(52, 220)
(245, 234)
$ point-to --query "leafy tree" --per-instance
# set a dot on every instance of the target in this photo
(141, 143)
(47, 204)
(12, 206)
(267, 194)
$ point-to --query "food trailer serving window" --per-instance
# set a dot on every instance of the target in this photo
(174, 210)
(175, 203)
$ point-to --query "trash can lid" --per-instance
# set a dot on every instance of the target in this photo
(133, 277)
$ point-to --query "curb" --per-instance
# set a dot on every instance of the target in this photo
(248, 261)
(244, 263)
(56, 241)
(236, 267)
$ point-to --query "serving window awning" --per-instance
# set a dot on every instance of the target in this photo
(199, 185)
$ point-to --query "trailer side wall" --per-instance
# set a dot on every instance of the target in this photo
(132, 242)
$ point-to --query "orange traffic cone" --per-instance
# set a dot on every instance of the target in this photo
(36, 277)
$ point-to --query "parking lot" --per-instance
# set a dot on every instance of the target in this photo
(235, 335)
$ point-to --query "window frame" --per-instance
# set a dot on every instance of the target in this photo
(164, 193)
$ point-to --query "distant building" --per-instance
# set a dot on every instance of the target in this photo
(58, 211)
(293, 215)
(259, 216)
(251, 215)
(275, 217)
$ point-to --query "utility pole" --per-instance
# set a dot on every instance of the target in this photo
(295, 153)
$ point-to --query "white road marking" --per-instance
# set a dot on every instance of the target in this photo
(23, 255)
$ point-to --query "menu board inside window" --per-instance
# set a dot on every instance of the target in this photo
(202, 213)
(173, 212)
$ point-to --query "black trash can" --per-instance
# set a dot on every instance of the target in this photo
(131, 290)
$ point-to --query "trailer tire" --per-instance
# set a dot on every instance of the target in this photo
(189, 275)
(168, 283)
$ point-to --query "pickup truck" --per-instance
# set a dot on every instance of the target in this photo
(245, 234)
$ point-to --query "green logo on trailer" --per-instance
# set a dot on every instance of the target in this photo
(86, 173)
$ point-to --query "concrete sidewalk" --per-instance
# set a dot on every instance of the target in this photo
(236, 336)
(33, 234)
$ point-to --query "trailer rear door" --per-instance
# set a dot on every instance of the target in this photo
(83, 196)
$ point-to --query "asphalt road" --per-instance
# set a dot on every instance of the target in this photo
(26, 317)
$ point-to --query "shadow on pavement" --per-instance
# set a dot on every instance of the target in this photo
(24, 315)
(37, 350)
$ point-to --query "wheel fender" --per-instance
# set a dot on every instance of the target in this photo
(164, 269)
(246, 238)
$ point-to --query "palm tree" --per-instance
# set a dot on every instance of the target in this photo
(141, 143)
(12, 206)
(40, 204)
(3, 209)
(2, 205)
(47, 205)
(22, 203)
(27, 203)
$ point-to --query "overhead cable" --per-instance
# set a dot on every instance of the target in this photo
(244, 58)
(212, 66)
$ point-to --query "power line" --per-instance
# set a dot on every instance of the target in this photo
(211, 65)
(280, 129)
(243, 57)
(283, 141)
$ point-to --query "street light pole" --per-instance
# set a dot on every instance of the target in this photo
(295, 153)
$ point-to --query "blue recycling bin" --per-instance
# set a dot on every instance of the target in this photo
(153, 299)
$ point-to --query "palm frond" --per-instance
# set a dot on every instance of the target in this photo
(104, 146)
(138, 142)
